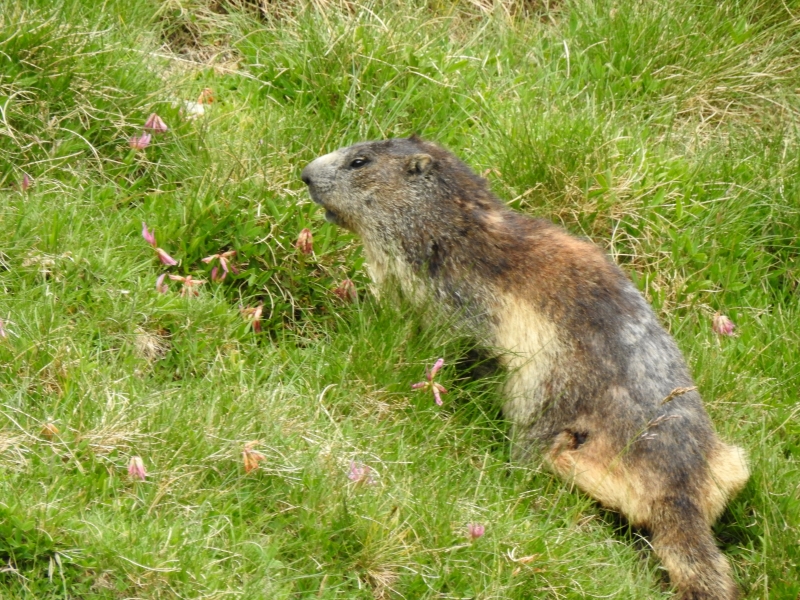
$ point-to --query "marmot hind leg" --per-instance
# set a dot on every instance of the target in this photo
(682, 539)
(677, 522)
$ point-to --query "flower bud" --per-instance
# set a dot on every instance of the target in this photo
(346, 290)
(136, 468)
(161, 287)
(156, 124)
(360, 473)
(722, 325)
(305, 242)
(149, 236)
(475, 530)
(140, 142)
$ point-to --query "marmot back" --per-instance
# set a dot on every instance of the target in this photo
(596, 384)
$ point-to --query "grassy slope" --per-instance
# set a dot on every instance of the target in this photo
(667, 132)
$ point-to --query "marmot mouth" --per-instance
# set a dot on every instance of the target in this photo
(332, 217)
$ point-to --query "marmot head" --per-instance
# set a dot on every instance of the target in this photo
(382, 189)
(422, 215)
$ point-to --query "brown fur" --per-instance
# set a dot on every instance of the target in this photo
(596, 384)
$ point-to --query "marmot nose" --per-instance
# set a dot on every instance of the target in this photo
(305, 176)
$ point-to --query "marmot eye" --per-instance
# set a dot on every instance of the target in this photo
(359, 162)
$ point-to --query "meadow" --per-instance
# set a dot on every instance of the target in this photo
(282, 452)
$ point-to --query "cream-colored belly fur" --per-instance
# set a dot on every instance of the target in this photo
(530, 346)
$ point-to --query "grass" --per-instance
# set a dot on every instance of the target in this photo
(665, 132)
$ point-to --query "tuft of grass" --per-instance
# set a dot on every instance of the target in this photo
(668, 134)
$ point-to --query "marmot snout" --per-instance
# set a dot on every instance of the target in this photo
(590, 365)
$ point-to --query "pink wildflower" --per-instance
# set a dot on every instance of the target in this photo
(156, 124)
(149, 236)
(360, 473)
(253, 314)
(437, 388)
(251, 457)
(26, 182)
(305, 241)
(161, 287)
(140, 142)
(223, 258)
(475, 530)
(136, 468)
(188, 284)
(166, 258)
(722, 325)
(346, 291)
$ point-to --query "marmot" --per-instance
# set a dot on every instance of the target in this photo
(595, 382)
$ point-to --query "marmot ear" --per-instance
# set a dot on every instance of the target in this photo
(419, 164)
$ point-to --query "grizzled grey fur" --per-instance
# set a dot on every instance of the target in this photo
(596, 384)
